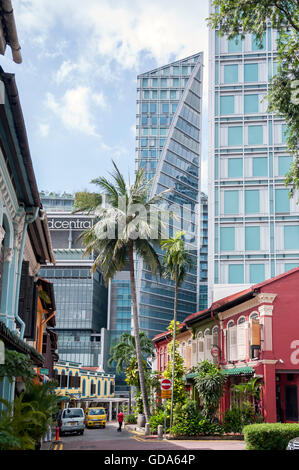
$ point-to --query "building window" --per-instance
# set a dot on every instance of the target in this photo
(257, 45)
(291, 237)
(252, 201)
(235, 167)
(250, 73)
(235, 136)
(259, 166)
(252, 238)
(227, 104)
(231, 74)
(256, 273)
(235, 44)
(255, 135)
(282, 201)
(251, 104)
(231, 202)
(284, 164)
(227, 238)
(235, 273)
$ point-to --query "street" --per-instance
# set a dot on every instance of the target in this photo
(110, 439)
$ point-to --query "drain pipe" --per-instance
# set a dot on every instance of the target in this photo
(28, 220)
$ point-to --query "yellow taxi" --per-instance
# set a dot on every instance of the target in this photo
(95, 417)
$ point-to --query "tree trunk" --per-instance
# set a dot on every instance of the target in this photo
(136, 334)
(173, 349)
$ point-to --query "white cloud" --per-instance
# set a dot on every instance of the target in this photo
(74, 110)
(119, 31)
(44, 130)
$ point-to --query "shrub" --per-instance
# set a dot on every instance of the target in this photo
(130, 419)
(269, 436)
(236, 418)
(194, 427)
(157, 419)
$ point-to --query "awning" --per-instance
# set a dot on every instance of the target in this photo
(238, 371)
(233, 371)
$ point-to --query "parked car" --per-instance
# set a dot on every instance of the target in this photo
(71, 420)
(293, 444)
(95, 417)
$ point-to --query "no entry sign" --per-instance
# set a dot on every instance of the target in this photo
(166, 384)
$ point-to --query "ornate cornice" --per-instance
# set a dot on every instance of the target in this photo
(248, 305)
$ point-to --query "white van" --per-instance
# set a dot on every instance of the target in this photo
(71, 420)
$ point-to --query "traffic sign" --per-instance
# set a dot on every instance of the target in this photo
(165, 393)
(166, 384)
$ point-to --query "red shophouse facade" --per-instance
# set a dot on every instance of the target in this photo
(258, 336)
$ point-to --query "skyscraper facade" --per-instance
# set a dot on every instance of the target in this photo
(253, 225)
(81, 297)
(168, 147)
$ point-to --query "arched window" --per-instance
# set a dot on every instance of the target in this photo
(200, 347)
(70, 382)
(241, 320)
(165, 357)
(92, 388)
(77, 380)
(207, 332)
(63, 379)
(99, 387)
(230, 324)
(83, 387)
(161, 359)
(254, 316)
(105, 388)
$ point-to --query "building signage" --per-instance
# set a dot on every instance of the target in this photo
(66, 224)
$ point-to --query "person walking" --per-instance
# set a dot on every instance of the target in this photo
(120, 418)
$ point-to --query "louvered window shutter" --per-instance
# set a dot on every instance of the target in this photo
(233, 343)
(208, 344)
(241, 338)
(194, 353)
(200, 350)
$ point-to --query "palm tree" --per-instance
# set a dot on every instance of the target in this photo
(176, 263)
(124, 351)
(122, 230)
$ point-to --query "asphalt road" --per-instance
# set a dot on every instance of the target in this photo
(110, 439)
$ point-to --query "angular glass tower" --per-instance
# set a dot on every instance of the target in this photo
(253, 225)
(168, 148)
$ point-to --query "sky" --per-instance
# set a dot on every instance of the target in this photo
(77, 82)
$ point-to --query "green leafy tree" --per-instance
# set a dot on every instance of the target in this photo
(123, 231)
(176, 264)
(16, 365)
(234, 17)
(86, 202)
(209, 383)
(123, 354)
(179, 394)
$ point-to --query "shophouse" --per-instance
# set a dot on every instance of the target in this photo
(24, 233)
(253, 333)
(86, 386)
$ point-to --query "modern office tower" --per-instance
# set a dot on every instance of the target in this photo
(203, 254)
(168, 147)
(253, 225)
(81, 299)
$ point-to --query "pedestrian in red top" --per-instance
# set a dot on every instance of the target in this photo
(120, 418)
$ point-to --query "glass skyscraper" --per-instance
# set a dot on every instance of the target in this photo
(253, 228)
(168, 147)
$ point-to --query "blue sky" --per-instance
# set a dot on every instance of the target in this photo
(77, 82)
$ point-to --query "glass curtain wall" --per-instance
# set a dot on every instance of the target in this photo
(168, 145)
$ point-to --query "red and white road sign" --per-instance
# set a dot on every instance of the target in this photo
(166, 384)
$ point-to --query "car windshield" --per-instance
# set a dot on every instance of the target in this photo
(96, 412)
(73, 413)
